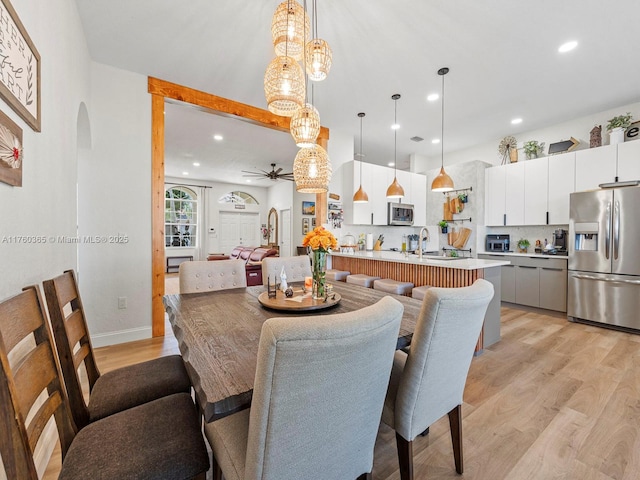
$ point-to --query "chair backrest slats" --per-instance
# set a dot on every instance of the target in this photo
(60, 292)
(32, 370)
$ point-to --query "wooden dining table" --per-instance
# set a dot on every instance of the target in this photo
(218, 334)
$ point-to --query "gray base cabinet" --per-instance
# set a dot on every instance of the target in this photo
(534, 281)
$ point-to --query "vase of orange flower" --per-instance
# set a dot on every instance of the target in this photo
(320, 241)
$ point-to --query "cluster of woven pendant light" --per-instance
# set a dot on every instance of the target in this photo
(286, 92)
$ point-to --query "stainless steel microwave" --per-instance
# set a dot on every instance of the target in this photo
(399, 214)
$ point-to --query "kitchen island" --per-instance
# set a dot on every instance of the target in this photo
(431, 270)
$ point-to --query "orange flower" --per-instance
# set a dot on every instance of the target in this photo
(320, 239)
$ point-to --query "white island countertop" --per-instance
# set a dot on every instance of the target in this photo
(457, 263)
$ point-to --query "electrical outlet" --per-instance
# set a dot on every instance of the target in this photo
(122, 303)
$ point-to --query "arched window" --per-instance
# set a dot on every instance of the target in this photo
(238, 197)
(180, 217)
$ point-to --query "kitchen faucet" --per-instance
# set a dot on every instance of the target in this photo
(420, 237)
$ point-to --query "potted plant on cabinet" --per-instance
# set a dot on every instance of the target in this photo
(443, 226)
(523, 245)
(616, 127)
(533, 149)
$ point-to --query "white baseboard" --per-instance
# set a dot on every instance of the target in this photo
(121, 336)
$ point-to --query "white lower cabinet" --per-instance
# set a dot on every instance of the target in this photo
(533, 281)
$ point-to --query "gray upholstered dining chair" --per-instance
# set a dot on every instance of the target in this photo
(296, 268)
(204, 276)
(319, 389)
(429, 381)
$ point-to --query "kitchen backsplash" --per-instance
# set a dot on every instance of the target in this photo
(531, 233)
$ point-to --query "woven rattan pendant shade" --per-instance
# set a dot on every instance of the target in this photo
(284, 86)
(318, 59)
(305, 126)
(312, 170)
(289, 29)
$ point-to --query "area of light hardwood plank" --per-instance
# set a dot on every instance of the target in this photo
(552, 399)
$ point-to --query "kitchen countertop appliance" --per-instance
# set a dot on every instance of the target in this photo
(604, 260)
(498, 243)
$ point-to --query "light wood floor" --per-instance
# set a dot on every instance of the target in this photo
(551, 400)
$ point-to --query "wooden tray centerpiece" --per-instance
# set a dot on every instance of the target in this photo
(300, 301)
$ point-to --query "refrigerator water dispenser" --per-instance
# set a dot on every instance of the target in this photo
(586, 236)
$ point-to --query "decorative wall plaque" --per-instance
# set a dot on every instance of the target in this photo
(10, 152)
(19, 67)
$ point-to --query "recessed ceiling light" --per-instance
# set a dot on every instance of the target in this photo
(435, 140)
(516, 121)
(185, 173)
(248, 181)
(433, 97)
(196, 164)
(391, 164)
(395, 126)
(217, 137)
(567, 47)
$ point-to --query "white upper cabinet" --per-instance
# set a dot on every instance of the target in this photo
(629, 161)
(494, 205)
(536, 175)
(419, 199)
(514, 190)
(562, 174)
(595, 166)
(382, 178)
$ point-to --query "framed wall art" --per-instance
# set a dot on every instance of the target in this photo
(305, 226)
(10, 152)
(19, 67)
(308, 208)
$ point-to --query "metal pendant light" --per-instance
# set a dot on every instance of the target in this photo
(395, 190)
(443, 182)
(360, 196)
(312, 170)
(317, 53)
(289, 29)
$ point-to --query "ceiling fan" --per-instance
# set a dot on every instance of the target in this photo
(272, 175)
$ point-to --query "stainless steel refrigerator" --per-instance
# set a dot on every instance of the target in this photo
(604, 257)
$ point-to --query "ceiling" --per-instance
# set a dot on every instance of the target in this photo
(502, 55)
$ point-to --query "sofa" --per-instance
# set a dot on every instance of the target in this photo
(252, 256)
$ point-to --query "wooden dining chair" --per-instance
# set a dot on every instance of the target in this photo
(203, 276)
(159, 439)
(317, 400)
(428, 382)
(113, 391)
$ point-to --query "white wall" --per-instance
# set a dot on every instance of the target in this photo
(45, 205)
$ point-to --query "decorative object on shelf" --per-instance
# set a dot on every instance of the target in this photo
(533, 149)
(11, 152)
(318, 54)
(20, 79)
(361, 196)
(595, 137)
(283, 280)
(395, 190)
(523, 245)
(444, 226)
(563, 146)
(443, 182)
(321, 242)
(616, 127)
(290, 27)
(312, 170)
(508, 149)
(633, 132)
